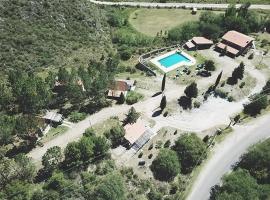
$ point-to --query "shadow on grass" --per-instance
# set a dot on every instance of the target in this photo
(156, 113)
(156, 94)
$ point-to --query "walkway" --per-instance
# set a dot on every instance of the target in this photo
(176, 5)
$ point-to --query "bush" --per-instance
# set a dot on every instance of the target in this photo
(125, 55)
(209, 65)
(140, 155)
(77, 116)
(242, 85)
(133, 97)
(196, 104)
(221, 94)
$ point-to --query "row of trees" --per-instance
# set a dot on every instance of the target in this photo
(188, 152)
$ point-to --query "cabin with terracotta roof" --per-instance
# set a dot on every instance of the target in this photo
(120, 86)
(137, 134)
(198, 43)
(234, 43)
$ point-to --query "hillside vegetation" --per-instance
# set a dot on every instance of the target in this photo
(43, 32)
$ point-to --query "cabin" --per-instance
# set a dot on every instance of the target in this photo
(234, 43)
(198, 43)
(120, 86)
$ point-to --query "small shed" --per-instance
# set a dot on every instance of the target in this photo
(53, 117)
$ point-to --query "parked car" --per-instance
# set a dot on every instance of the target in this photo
(141, 163)
(204, 73)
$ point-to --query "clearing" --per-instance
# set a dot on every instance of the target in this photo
(152, 21)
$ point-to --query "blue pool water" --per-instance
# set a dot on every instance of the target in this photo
(173, 59)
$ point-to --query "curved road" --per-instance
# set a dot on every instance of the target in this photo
(177, 5)
(227, 153)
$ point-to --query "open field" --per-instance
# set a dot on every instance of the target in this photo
(152, 21)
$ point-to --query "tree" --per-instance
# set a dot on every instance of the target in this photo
(19, 190)
(209, 65)
(122, 98)
(166, 165)
(72, 154)
(256, 161)
(163, 103)
(101, 146)
(86, 146)
(163, 83)
(238, 72)
(116, 135)
(191, 151)
(237, 185)
(217, 80)
(266, 88)
(191, 90)
(185, 102)
(111, 188)
(52, 158)
(132, 116)
(258, 102)
(63, 75)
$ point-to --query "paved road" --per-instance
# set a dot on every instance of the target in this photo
(227, 153)
(178, 5)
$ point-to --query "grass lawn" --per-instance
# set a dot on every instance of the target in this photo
(54, 132)
(106, 125)
(151, 21)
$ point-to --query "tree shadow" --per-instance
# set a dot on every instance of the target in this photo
(156, 113)
(157, 94)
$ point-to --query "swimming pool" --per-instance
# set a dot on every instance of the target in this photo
(173, 59)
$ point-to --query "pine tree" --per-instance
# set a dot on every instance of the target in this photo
(163, 103)
(163, 83)
(122, 98)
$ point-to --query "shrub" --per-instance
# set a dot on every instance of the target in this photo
(77, 116)
(197, 104)
(209, 65)
(140, 155)
(242, 85)
(167, 144)
(133, 97)
(221, 94)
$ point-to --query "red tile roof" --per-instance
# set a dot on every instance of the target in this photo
(134, 131)
(189, 44)
(201, 40)
(120, 86)
(229, 49)
(237, 38)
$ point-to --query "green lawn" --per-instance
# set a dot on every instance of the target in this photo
(53, 133)
(152, 21)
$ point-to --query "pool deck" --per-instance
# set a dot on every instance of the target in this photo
(156, 62)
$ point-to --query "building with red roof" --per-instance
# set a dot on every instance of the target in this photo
(198, 43)
(235, 43)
